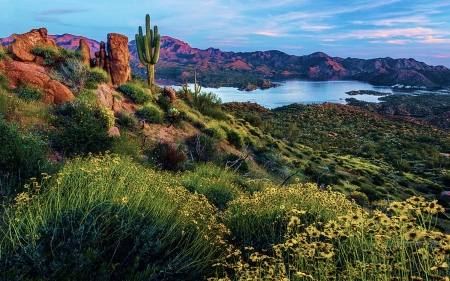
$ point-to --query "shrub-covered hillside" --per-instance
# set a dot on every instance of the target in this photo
(178, 186)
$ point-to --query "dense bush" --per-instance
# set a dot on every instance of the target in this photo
(135, 92)
(96, 76)
(126, 119)
(55, 56)
(204, 101)
(170, 156)
(81, 128)
(29, 94)
(215, 130)
(73, 73)
(235, 138)
(202, 148)
(151, 114)
(22, 155)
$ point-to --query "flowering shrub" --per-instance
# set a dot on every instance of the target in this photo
(81, 128)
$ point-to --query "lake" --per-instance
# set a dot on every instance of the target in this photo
(299, 91)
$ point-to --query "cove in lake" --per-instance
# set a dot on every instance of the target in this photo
(299, 91)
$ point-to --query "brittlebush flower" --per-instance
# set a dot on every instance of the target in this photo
(413, 235)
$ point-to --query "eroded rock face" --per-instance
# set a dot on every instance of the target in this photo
(119, 58)
(105, 94)
(57, 93)
(24, 43)
(170, 93)
(83, 48)
(21, 73)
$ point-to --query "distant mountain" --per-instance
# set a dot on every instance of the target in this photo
(178, 60)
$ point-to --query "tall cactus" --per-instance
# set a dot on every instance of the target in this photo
(197, 88)
(148, 48)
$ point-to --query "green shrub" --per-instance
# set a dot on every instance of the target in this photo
(108, 115)
(55, 56)
(170, 156)
(204, 101)
(22, 155)
(253, 118)
(29, 94)
(96, 76)
(215, 130)
(151, 113)
(3, 81)
(202, 148)
(135, 92)
(73, 73)
(215, 183)
(126, 119)
(81, 128)
(216, 113)
(235, 138)
(87, 95)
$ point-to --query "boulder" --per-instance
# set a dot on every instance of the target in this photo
(24, 43)
(106, 97)
(170, 93)
(119, 58)
(21, 73)
(114, 132)
(83, 48)
(25, 73)
(57, 93)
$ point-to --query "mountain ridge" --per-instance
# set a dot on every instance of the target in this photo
(178, 60)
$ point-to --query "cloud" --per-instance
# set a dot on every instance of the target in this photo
(433, 40)
(270, 33)
(58, 12)
(398, 42)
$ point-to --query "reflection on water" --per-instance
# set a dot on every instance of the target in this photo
(299, 91)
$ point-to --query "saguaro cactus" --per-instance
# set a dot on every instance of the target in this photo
(148, 48)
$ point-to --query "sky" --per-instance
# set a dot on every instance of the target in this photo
(340, 28)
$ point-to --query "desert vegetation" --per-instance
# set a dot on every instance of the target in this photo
(195, 189)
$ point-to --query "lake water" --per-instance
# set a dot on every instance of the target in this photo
(299, 91)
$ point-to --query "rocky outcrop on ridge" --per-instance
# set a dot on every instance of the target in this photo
(177, 59)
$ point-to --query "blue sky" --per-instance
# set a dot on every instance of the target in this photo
(352, 28)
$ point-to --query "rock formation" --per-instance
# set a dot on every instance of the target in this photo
(169, 93)
(24, 43)
(83, 48)
(21, 73)
(105, 94)
(119, 58)
(26, 68)
(100, 57)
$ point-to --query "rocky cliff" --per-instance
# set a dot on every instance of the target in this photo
(178, 59)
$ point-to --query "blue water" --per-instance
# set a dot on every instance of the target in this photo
(299, 91)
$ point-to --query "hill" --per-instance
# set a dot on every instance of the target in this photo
(238, 69)
(133, 182)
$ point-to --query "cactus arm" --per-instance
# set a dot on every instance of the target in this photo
(139, 44)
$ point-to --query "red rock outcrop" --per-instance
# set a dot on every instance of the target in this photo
(170, 93)
(30, 74)
(24, 43)
(83, 48)
(119, 58)
(106, 97)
